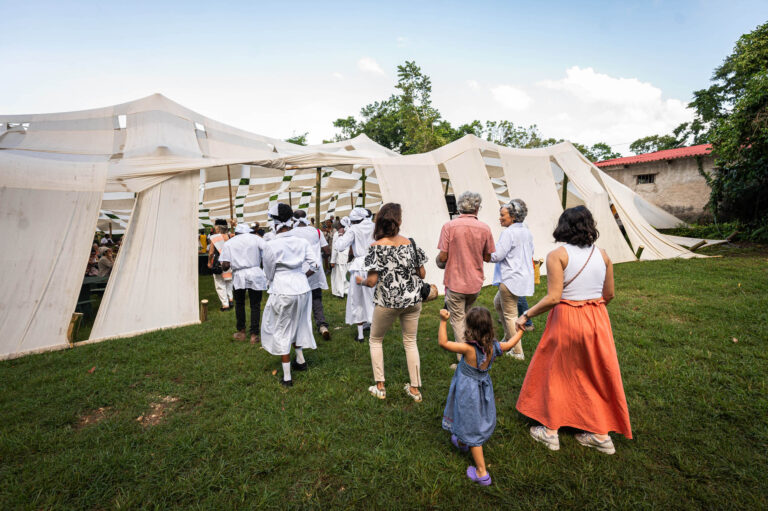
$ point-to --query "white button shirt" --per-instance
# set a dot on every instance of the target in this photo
(514, 260)
(359, 237)
(284, 258)
(243, 252)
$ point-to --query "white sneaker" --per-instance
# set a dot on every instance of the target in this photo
(590, 440)
(539, 434)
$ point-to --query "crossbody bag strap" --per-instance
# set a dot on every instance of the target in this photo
(415, 257)
(582, 268)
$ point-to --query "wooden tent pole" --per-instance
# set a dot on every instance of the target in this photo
(290, 200)
(231, 204)
(317, 198)
(565, 189)
(363, 179)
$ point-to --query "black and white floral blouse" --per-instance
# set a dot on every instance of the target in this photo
(398, 287)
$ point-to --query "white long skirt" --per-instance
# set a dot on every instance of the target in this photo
(223, 289)
(339, 283)
(287, 319)
(359, 301)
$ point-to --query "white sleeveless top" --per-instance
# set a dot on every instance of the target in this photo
(589, 284)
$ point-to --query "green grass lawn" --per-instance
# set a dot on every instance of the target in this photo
(691, 339)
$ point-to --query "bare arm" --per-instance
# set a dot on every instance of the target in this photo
(510, 343)
(442, 256)
(442, 337)
(370, 281)
(422, 272)
(608, 290)
(557, 260)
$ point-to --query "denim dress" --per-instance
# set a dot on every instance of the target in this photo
(470, 410)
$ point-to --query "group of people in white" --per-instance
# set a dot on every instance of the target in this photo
(573, 379)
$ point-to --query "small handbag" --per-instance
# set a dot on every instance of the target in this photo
(428, 291)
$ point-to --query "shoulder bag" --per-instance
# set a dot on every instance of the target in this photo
(428, 291)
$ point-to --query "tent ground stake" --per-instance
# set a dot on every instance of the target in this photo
(731, 236)
(74, 326)
(698, 245)
(203, 310)
(639, 251)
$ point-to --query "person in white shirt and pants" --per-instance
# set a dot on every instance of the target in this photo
(339, 264)
(359, 236)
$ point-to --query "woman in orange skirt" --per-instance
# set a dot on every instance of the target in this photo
(574, 378)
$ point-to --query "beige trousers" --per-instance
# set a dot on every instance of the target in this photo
(506, 306)
(383, 317)
(458, 305)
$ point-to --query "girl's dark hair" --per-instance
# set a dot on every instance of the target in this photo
(478, 327)
(576, 227)
(284, 212)
(388, 221)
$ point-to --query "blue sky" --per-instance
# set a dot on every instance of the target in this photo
(586, 71)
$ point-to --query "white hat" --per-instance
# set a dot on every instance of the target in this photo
(358, 214)
(243, 229)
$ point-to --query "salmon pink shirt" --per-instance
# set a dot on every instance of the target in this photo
(466, 240)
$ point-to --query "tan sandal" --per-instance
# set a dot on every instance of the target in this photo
(377, 392)
(415, 397)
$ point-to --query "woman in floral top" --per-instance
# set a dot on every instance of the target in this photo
(397, 267)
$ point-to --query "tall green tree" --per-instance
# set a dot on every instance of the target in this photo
(735, 107)
(298, 139)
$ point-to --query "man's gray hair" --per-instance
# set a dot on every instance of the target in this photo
(469, 202)
(517, 209)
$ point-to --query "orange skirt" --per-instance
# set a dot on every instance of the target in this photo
(574, 378)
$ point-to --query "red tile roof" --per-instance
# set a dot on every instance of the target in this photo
(667, 154)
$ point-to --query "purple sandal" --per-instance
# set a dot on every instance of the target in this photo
(482, 481)
(455, 442)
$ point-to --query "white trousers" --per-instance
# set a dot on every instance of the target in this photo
(339, 283)
(359, 301)
(223, 289)
(287, 320)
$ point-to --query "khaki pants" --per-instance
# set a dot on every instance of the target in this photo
(383, 318)
(506, 306)
(458, 304)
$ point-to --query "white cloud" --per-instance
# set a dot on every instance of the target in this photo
(402, 42)
(511, 97)
(369, 65)
(472, 84)
(338, 76)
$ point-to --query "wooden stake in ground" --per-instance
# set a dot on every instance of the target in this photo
(203, 310)
(231, 204)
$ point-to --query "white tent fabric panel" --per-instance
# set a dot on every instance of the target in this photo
(154, 280)
(639, 231)
(414, 183)
(467, 173)
(656, 216)
(596, 199)
(530, 178)
(48, 248)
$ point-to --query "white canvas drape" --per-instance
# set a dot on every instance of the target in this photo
(154, 280)
(45, 248)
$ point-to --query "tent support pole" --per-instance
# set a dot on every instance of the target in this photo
(231, 204)
(565, 189)
(110, 229)
(290, 200)
(363, 179)
(317, 197)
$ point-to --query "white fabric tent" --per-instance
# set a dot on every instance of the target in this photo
(160, 170)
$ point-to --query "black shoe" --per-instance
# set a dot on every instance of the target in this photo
(298, 367)
(366, 327)
(222, 309)
(284, 383)
(358, 339)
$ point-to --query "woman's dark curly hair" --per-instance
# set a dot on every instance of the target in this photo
(478, 328)
(576, 227)
(388, 221)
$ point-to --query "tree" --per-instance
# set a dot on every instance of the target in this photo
(298, 139)
(735, 107)
(653, 143)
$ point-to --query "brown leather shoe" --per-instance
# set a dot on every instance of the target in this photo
(239, 336)
(255, 338)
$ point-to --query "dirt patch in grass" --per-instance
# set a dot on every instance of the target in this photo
(93, 417)
(158, 411)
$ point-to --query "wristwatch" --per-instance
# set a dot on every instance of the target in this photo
(526, 314)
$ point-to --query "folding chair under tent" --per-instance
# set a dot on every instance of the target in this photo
(160, 170)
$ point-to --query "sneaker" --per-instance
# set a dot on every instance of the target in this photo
(325, 333)
(415, 397)
(298, 367)
(517, 356)
(239, 336)
(590, 440)
(377, 392)
(482, 481)
(539, 434)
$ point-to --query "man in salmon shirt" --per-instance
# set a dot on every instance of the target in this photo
(465, 242)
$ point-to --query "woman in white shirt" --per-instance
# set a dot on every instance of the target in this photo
(359, 236)
(514, 267)
(339, 265)
(287, 319)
